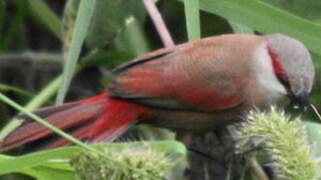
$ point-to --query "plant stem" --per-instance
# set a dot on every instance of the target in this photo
(45, 94)
(257, 170)
(84, 16)
(159, 23)
(316, 111)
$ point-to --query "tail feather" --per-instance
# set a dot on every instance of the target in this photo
(31, 131)
(47, 111)
(120, 115)
(81, 134)
(98, 118)
(112, 133)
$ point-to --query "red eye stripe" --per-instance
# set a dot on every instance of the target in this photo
(279, 69)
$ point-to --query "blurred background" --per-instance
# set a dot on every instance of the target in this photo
(35, 37)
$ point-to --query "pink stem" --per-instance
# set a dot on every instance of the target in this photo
(159, 23)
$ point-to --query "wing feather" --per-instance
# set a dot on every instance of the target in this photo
(187, 77)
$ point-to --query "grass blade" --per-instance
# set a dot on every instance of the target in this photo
(84, 14)
(192, 19)
(45, 94)
(5, 88)
(40, 10)
(36, 102)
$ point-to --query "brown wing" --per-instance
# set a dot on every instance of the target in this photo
(200, 76)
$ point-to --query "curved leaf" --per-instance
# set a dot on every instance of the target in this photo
(266, 18)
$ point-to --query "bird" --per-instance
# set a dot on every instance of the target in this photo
(193, 87)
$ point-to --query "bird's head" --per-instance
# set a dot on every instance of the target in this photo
(293, 67)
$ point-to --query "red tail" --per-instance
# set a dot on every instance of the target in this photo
(98, 118)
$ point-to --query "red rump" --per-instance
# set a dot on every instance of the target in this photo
(118, 116)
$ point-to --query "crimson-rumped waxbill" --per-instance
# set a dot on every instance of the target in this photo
(188, 88)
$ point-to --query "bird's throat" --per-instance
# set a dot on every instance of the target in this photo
(266, 76)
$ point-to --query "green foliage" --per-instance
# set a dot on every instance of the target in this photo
(309, 9)
(192, 19)
(18, 91)
(314, 137)
(265, 18)
(120, 11)
(109, 19)
(58, 131)
(94, 17)
(84, 15)
(51, 164)
(2, 15)
(114, 31)
(285, 142)
(13, 38)
(41, 11)
(239, 28)
(132, 38)
(106, 59)
(68, 23)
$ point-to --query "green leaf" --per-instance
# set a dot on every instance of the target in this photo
(39, 168)
(5, 88)
(68, 23)
(84, 15)
(266, 18)
(306, 9)
(314, 136)
(240, 28)
(110, 19)
(4, 157)
(3, 10)
(46, 173)
(15, 164)
(132, 38)
(107, 59)
(55, 162)
(192, 19)
(14, 38)
(41, 11)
